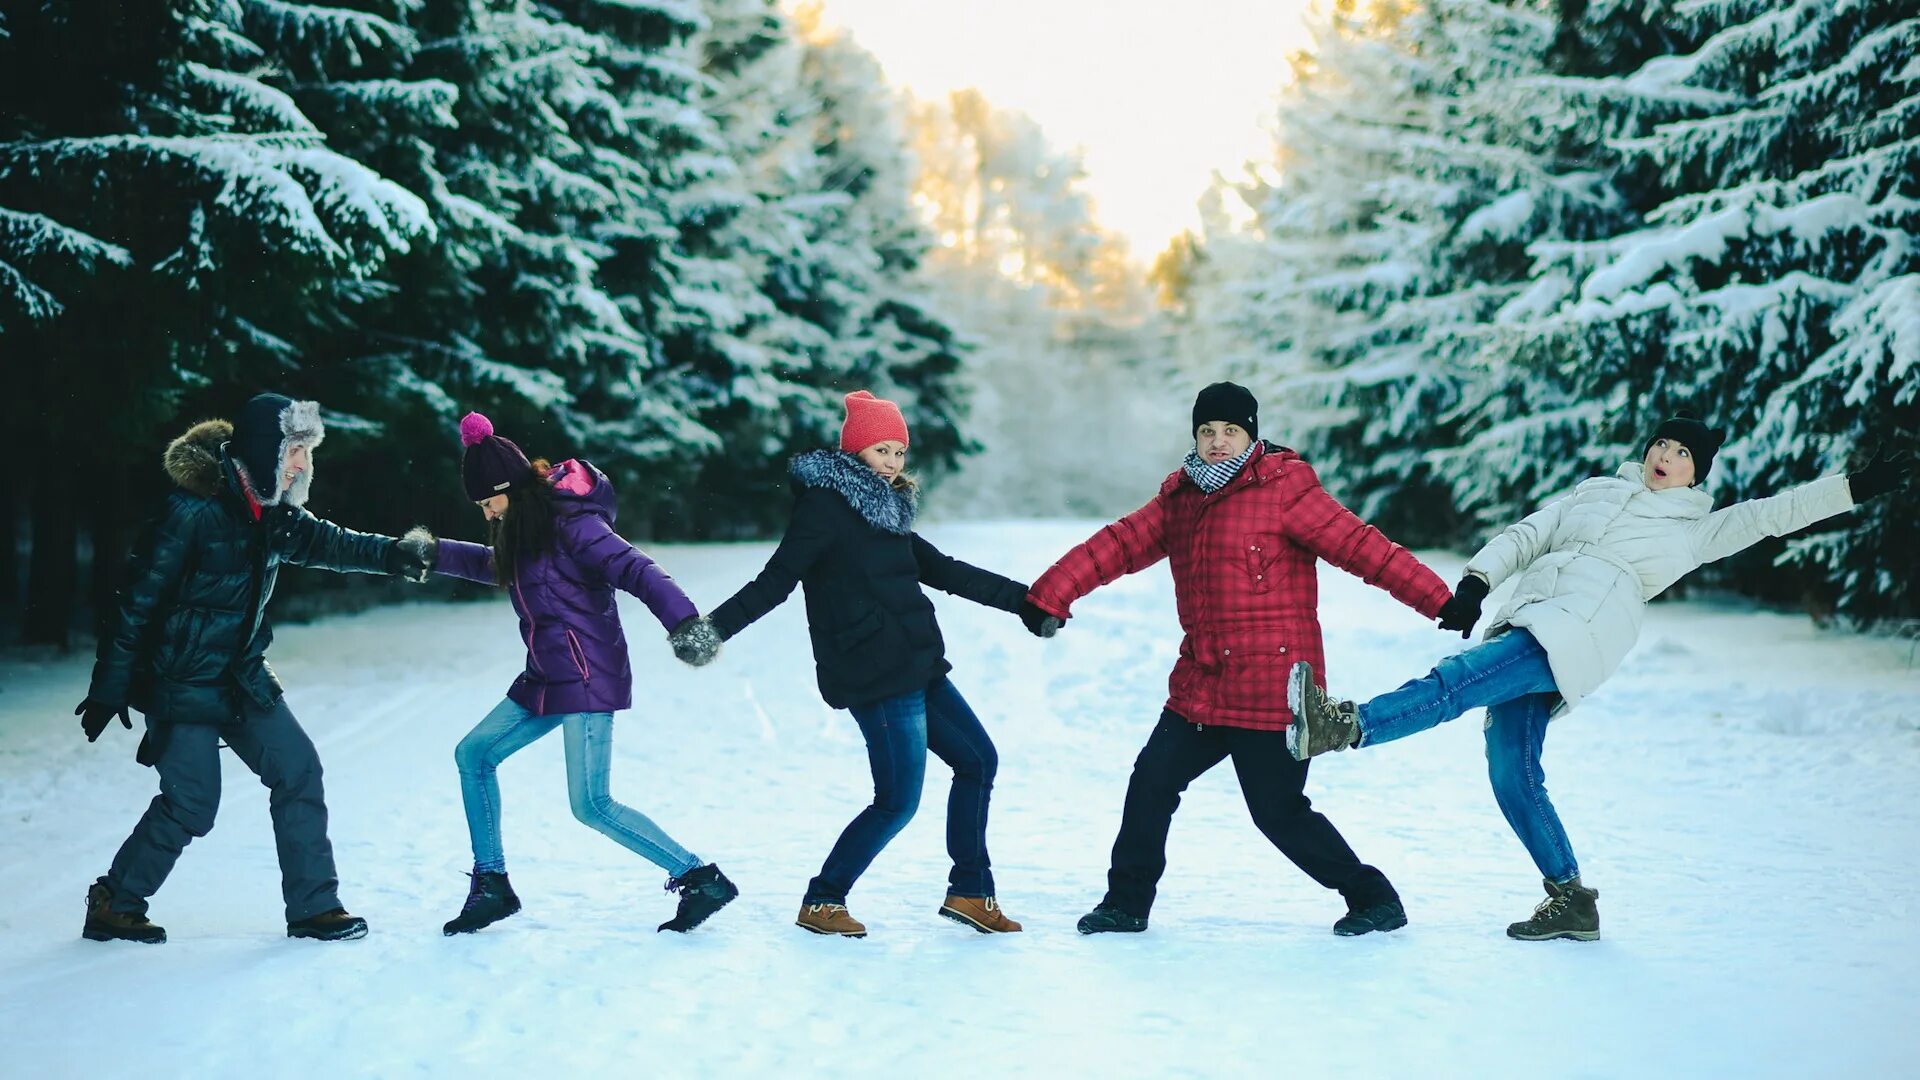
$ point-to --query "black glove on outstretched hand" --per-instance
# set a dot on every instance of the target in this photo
(1881, 475)
(1040, 622)
(695, 641)
(94, 717)
(1463, 609)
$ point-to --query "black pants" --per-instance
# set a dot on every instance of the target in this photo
(1274, 785)
(271, 743)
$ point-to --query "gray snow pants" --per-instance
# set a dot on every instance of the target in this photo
(271, 743)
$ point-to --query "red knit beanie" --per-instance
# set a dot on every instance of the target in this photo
(870, 420)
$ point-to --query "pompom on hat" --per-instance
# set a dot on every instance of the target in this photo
(870, 420)
(492, 463)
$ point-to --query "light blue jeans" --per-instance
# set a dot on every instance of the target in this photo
(1509, 677)
(589, 740)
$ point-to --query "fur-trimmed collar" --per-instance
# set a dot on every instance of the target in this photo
(883, 507)
(193, 459)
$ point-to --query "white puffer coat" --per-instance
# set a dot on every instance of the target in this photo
(1590, 561)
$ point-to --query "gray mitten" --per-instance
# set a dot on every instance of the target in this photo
(695, 641)
(415, 553)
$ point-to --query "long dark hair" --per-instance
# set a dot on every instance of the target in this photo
(527, 526)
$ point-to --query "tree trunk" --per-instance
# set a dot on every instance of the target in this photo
(52, 586)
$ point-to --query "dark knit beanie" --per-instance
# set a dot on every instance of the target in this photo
(1227, 401)
(1700, 440)
(266, 427)
(492, 463)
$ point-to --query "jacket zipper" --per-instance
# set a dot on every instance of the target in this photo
(579, 656)
(533, 658)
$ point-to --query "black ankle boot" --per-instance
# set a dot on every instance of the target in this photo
(1107, 919)
(703, 890)
(490, 898)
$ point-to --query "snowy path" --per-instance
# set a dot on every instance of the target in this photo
(1746, 795)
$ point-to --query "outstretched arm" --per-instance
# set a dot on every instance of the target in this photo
(305, 540)
(1518, 545)
(808, 537)
(1127, 546)
(1318, 522)
(950, 575)
(1740, 526)
(594, 543)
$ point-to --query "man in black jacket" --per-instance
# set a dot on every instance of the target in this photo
(189, 652)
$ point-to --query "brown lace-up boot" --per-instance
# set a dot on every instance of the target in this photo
(831, 919)
(980, 912)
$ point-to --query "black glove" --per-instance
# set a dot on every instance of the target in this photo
(94, 717)
(412, 555)
(695, 641)
(1463, 610)
(1883, 474)
(1040, 622)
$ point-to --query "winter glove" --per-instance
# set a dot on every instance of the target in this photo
(1883, 474)
(95, 716)
(412, 555)
(1463, 609)
(695, 641)
(1040, 622)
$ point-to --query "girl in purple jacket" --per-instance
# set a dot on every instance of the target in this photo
(554, 550)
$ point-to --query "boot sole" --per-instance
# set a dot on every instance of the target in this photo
(351, 935)
(968, 920)
(828, 933)
(668, 925)
(1383, 928)
(1558, 935)
(450, 930)
(107, 935)
(1296, 700)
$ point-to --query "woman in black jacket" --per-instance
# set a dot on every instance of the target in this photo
(878, 653)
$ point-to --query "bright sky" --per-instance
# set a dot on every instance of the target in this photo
(1157, 94)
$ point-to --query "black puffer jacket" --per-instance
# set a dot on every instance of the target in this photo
(192, 625)
(852, 546)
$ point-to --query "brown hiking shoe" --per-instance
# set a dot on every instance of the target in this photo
(1320, 723)
(105, 924)
(980, 912)
(1570, 911)
(829, 919)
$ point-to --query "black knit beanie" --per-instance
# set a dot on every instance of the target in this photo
(1230, 402)
(1700, 440)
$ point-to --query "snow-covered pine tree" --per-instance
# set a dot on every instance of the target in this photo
(156, 139)
(1774, 285)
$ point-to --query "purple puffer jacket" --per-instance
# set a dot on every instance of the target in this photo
(576, 652)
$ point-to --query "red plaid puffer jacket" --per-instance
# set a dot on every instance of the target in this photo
(1243, 575)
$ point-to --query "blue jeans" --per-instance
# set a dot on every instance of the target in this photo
(899, 732)
(1509, 677)
(589, 740)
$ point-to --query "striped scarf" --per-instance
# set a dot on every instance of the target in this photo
(1212, 477)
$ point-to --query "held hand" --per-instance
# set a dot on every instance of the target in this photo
(412, 556)
(1040, 622)
(94, 717)
(695, 641)
(1886, 472)
(1463, 609)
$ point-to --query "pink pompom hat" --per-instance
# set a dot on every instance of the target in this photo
(492, 463)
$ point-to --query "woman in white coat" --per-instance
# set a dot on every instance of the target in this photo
(1587, 565)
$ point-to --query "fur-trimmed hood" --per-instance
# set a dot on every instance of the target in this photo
(193, 460)
(878, 502)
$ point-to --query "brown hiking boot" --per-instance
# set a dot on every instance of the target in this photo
(1320, 723)
(980, 912)
(1570, 911)
(335, 925)
(105, 924)
(829, 919)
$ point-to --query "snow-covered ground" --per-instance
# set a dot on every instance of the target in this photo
(1745, 794)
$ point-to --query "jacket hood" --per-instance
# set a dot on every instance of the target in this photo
(579, 487)
(193, 460)
(871, 497)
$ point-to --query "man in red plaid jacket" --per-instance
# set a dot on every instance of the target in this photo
(1242, 523)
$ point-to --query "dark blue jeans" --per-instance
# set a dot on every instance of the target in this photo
(899, 732)
(1510, 677)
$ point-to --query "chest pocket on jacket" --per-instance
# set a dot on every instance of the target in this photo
(1262, 551)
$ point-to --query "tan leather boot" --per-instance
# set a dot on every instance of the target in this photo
(829, 919)
(980, 912)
